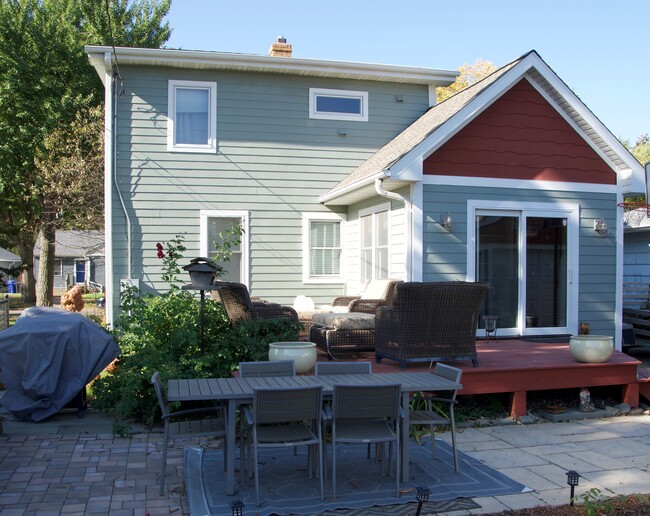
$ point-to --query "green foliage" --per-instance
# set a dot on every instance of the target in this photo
(162, 332)
(230, 239)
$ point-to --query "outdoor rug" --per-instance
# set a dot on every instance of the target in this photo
(285, 488)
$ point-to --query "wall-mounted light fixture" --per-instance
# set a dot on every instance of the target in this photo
(600, 227)
(447, 222)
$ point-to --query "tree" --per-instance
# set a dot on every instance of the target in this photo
(45, 80)
(469, 74)
(71, 167)
(641, 151)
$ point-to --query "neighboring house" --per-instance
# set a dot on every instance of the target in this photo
(344, 172)
(78, 258)
(7, 260)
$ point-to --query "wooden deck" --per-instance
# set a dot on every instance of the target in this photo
(517, 367)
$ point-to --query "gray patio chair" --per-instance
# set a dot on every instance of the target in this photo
(366, 414)
(257, 370)
(214, 426)
(287, 417)
(437, 416)
(328, 368)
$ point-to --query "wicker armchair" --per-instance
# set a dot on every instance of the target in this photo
(430, 322)
(239, 305)
(378, 293)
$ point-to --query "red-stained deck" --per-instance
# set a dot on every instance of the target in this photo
(516, 367)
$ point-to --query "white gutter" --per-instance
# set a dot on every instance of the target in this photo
(408, 255)
(206, 60)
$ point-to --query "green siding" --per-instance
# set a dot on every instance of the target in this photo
(445, 254)
(272, 161)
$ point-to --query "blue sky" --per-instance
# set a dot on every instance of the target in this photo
(601, 49)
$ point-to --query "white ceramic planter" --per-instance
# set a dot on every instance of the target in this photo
(591, 348)
(302, 353)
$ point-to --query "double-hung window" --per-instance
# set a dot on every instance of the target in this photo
(215, 226)
(338, 104)
(374, 228)
(322, 247)
(192, 116)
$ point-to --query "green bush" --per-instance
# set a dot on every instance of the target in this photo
(162, 333)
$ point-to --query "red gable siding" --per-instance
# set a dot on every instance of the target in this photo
(520, 136)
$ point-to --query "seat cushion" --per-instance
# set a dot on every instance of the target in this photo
(376, 289)
(349, 321)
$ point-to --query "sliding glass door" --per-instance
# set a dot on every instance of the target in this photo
(526, 257)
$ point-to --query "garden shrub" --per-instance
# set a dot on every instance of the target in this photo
(162, 333)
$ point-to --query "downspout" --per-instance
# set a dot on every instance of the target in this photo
(408, 255)
(116, 95)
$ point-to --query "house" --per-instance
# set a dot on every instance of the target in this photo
(78, 259)
(344, 172)
(7, 261)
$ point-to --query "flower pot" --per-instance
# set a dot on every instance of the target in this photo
(302, 353)
(592, 349)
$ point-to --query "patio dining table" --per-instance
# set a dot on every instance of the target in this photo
(236, 391)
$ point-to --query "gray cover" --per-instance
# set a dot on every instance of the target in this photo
(47, 357)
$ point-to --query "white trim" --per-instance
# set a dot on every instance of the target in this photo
(572, 212)
(384, 206)
(294, 65)
(417, 231)
(307, 218)
(620, 260)
(204, 215)
(211, 146)
(522, 184)
(314, 93)
(109, 263)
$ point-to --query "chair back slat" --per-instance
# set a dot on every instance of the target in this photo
(450, 373)
(160, 393)
(325, 368)
(287, 405)
(366, 401)
(275, 368)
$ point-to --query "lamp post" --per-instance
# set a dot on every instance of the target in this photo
(421, 496)
(572, 478)
(202, 272)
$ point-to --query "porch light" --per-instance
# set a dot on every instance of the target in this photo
(447, 222)
(237, 508)
(572, 480)
(421, 496)
(600, 227)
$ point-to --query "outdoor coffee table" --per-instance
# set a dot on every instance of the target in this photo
(237, 391)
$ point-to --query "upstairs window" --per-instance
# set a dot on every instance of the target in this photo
(338, 104)
(192, 116)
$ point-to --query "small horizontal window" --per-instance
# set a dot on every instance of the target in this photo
(338, 104)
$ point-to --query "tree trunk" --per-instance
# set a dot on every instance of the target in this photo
(28, 289)
(45, 284)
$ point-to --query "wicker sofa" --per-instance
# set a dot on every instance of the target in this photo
(430, 322)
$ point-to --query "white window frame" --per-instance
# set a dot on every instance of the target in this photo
(314, 93)
(307, 219)
(204, 215)
(58, 271)
(211, 146)
(372, 211)
(526, 209)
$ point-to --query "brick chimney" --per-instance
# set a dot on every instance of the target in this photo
(280, 48)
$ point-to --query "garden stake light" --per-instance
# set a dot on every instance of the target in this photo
(572, 480)
(421, 496)
(237, 508)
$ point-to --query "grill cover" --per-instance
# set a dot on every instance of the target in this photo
(47, 357)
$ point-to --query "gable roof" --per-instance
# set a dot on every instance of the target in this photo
(75, 244)
(396, 159)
